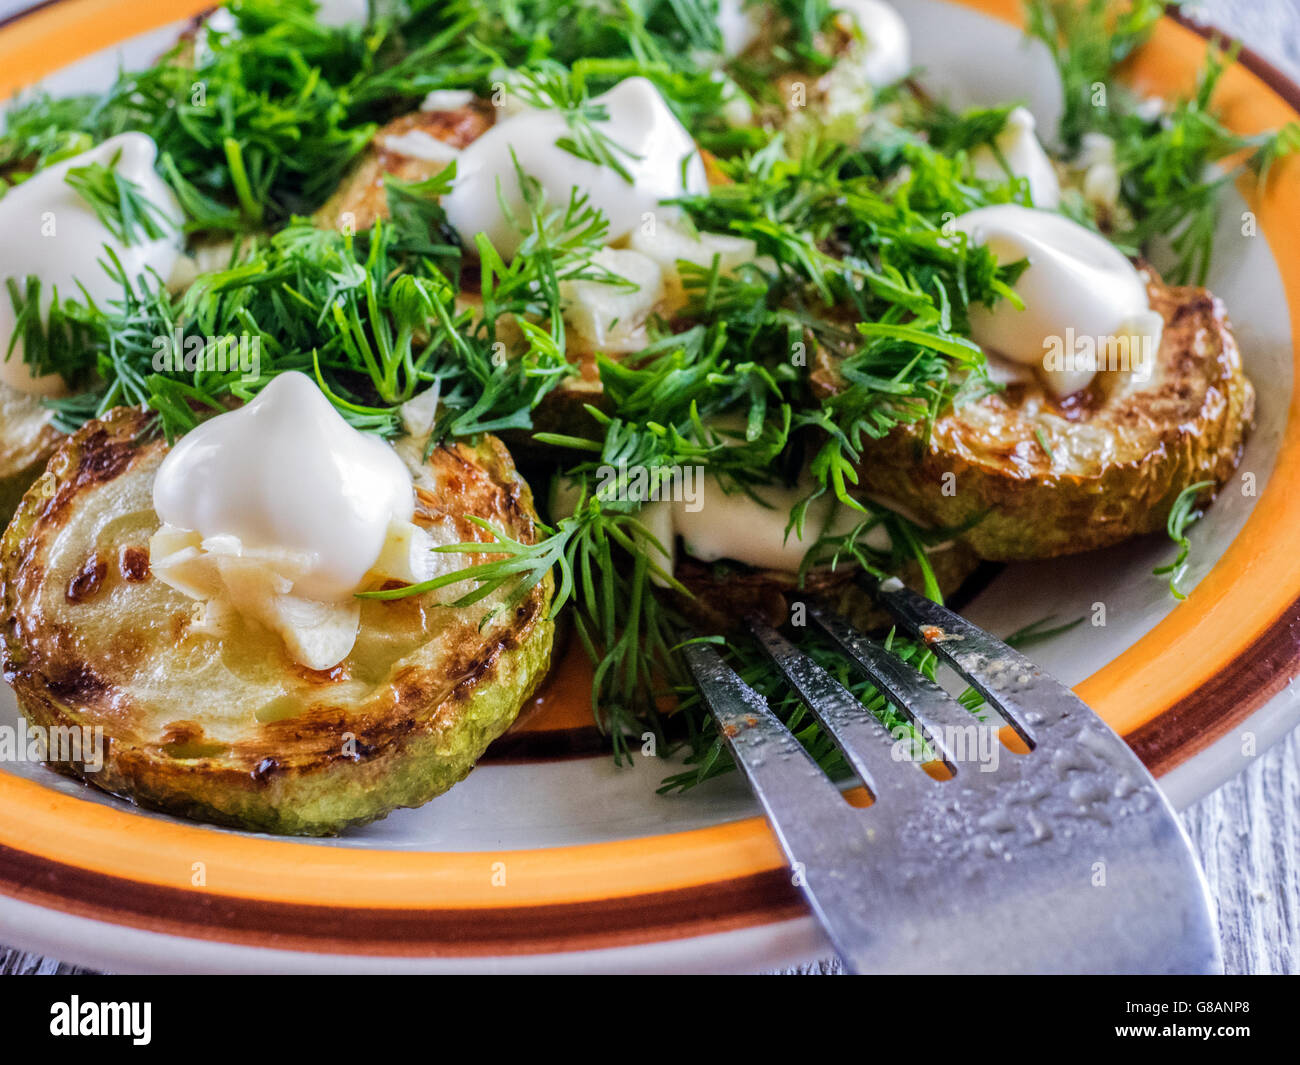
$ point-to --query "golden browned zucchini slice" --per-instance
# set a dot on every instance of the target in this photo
(1040, 478)
(406, 149)
(724, 594)
(231, 730)
(27, 440)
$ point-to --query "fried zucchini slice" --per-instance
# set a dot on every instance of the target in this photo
(231, 730)
(406, 149)
(27, 440)
(724, 594)
(1027, 476)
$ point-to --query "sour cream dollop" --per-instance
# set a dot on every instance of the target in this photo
(657, 152)
(1024, 155)
(287, 472)
(281, 511)
(884, 53)
(737, 526)
(1078, 286)
(51, 232)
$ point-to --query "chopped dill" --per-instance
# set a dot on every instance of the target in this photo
(1182, 516)
(118, 202)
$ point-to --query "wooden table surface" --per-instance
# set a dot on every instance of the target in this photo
(1248, 832)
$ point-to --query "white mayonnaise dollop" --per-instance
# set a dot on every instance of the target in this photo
(54, 234)
(882, 49)
(1019, 146)
(737, 526)
(657, 152)
(1096, 161)
(280, 511)
(1078, 290)
(717, 524)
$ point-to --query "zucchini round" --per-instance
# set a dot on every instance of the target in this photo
(231, 730)
(724, 594)
(27, 440)
(1028, 476)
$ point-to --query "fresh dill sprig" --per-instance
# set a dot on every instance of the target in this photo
(1088, 40)
(40, 130)
(552, 88)
(708, 756)
(375, 316)
(1041, 630)
(260, 124)
(118, 202)
(1182, 516)
(1172, 177)
(54, 332)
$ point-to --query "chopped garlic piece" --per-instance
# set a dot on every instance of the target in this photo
(407, 554)
(416, 144)
(661, 544)
(228, 579)
(419, 412)
(611, 316)
(1101, 185)
(319, 635)
(670, 242)
(1018, 145)
(447, 100)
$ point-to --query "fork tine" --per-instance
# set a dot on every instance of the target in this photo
(916, 695)
(775, 763)
(1000, 673)
(830, 848)
(865, 742)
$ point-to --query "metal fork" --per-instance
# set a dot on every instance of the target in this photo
(1064, 859)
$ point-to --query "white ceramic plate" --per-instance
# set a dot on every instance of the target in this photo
(549, 857)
